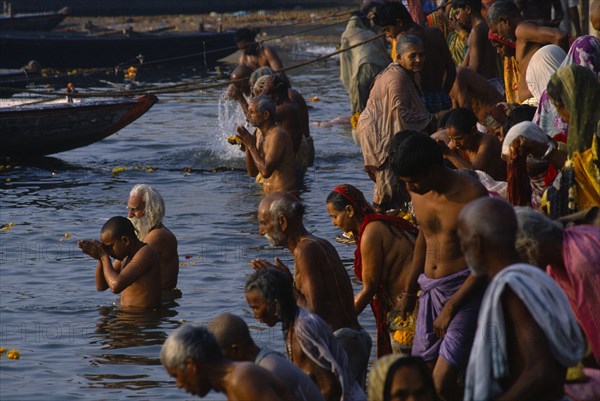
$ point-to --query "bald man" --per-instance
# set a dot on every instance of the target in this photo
(321, 282)
(527, 334)
(135, 274)
(234, 338)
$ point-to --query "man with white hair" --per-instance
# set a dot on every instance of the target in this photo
(321, 283)
(527, 334)
(193, 357)
(146, 211)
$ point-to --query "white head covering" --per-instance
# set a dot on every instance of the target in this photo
(542, 65)
(527, 129)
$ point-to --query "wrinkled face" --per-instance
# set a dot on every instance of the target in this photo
(412, 58)
(408, 384)
(504, 29)
(340, 218)
(269, 227)
(462, 141)
(463, 17)
(263, 311)
(419, 184)
(471, 249)
(255, 117)
(136, 206)
(116, 247)
(188, 381)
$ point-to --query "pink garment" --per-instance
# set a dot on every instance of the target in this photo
(580, 279)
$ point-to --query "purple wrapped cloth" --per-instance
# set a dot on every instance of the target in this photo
(456, 344)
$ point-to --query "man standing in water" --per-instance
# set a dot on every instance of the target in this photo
(270, 153)
(146, 211)
(254, 54)
(450, 297)
(136, 276)
(320, 280)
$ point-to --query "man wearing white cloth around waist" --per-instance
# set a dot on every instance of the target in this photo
(527, 334)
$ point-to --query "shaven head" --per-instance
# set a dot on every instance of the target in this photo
(501, 9)
(486, 227)
(118, 227)
(405, 43)
(535, 230)
(189, 342)
(231, 331)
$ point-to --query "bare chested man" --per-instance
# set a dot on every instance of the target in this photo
(269, 153)
(505, 20)
(450, 297)
(527, 334)
(481, 56)
(291, 114)
(193, 357)
(146, 211)
(438, 72)
(471, 149)
(320, 280)
(255, 55)
(136, 276)
(309, 342)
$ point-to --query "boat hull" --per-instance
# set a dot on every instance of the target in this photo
(33, 131)
(33, 22)
(69, 50)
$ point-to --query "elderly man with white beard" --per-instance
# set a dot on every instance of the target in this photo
(146, 211)
(320, 281)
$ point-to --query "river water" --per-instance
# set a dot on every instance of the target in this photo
(74, 342)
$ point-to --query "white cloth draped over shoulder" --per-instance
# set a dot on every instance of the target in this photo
(550, 309)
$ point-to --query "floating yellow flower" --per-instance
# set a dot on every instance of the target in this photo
(118, 170)
(2, 350)
(67, 235)
(14, 354)
(314, 99)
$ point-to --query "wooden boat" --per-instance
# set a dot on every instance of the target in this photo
(81, 50)
(36, 130)
(44, 21)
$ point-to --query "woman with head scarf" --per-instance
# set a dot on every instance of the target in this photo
(542, 65)
(396, 376)
(383, 256)
(575, 93)
(585, 51)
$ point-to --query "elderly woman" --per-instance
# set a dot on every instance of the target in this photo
(383, 256)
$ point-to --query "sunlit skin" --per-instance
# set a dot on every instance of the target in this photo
(412, 58)
(419, 184)
(136, 207)
(342, 219)
(408, 385)
(188, 381)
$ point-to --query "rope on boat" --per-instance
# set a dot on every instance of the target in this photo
(191, 87)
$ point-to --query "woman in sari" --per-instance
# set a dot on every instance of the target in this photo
(383, 256)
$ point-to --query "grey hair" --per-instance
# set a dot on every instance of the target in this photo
(404, 41)
(534, 229)
(154, 205)
(287, 206)
(265, 103)
(501, 9)
(261, 72)
(189, 342)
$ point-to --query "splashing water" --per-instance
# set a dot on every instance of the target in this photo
(230, 116)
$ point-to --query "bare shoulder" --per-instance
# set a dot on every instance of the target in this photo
(146, 255)
(468, 187)
(160, 235)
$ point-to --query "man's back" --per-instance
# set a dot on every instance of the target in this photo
(301, 386)
(323, 283)
(165, 243)
(482, 56)
(248, 381)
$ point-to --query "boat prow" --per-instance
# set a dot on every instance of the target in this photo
(37, 130)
